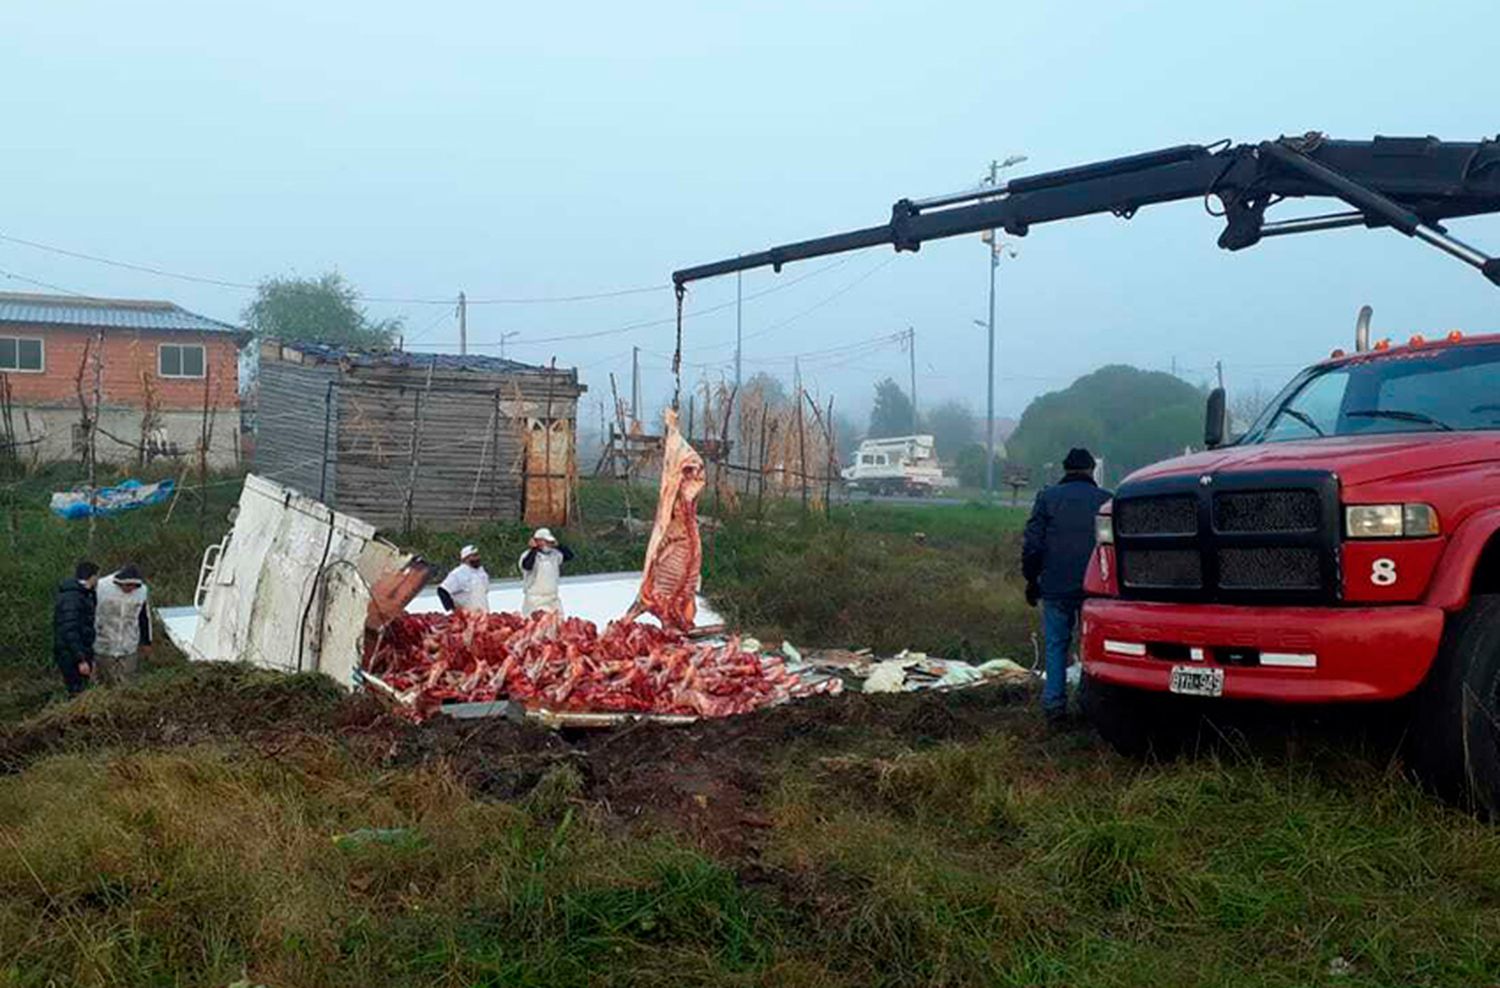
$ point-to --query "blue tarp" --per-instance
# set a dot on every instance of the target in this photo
(110, 500)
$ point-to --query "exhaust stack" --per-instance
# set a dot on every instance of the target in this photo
(1362, 329)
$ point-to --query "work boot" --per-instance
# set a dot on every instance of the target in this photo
(1059, 719)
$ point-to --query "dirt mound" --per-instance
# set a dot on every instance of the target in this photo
(187, 705)
(705, 780)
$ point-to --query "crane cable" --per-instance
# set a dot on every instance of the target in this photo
(681, 290)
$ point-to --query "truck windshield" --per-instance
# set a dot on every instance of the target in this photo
(1441, 389)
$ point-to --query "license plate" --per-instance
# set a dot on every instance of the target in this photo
(1197, 681)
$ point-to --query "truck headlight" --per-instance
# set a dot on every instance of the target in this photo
(1390, 521)
(1104, 529)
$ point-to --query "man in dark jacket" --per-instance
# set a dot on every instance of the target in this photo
(1059, 541)
(73, 627)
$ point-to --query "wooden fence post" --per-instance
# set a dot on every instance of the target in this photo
(92, 425)
(416, 445)
(205, 431)
(802, 448)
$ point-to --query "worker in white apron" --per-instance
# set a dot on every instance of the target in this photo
(122, 625)
(541, 572)
(467, 585)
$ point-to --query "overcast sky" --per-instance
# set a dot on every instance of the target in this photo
(532, 150)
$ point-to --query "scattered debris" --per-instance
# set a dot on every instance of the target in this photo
(80, 502)
(393, 836)
(912, 671)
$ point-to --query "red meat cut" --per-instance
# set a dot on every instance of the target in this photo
(674, 556)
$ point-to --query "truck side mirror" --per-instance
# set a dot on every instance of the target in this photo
(1213, 423)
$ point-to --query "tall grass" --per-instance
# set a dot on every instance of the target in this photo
(888, 577)
(1007, 860)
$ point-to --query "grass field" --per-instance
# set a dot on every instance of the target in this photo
(182, 831)
(840, 580)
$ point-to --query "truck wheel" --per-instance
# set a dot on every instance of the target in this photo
(1455, 737)
(1136, 723)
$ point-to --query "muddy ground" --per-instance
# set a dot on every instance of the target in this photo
(705, 781)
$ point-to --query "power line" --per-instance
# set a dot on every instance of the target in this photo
(127, 265)
(648, 324)
(248, 287)
(818, 358)
(41, 284)
(844, 290)
(425, 330)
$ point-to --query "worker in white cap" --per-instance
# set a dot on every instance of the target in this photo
(467, 585)
(541, 572)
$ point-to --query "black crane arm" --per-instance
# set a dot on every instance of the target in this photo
(1409, 184)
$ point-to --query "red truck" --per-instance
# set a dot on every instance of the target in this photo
(1347, 546)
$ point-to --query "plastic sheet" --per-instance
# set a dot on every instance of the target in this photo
(125, 496)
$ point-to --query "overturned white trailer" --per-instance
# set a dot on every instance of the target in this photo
(294, 586)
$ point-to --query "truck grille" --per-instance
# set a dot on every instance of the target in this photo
(1269, 537)
(1182, 568)
(1158, 516)
(1269, 568)
(1267, 511)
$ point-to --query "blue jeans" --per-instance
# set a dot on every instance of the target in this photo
(1059, 617)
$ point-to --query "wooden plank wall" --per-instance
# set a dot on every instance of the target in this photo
(289, 439)
(471, 456)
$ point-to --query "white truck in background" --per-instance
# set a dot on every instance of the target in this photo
(897, 465)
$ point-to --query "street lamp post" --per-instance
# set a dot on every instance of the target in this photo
(503, 338)
(993, 240)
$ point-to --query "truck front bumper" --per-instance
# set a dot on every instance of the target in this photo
(1284, 654)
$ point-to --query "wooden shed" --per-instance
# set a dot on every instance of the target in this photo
(419, 439)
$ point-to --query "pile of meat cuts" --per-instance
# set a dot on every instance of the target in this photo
(566, 664)
(551, 663)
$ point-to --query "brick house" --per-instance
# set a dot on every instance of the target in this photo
(160, 365)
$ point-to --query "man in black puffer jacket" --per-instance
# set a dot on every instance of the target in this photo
(1059, 542)
(73, 627)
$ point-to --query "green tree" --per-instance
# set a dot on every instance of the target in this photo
(969, 465)
(846, 434)
(1129, 417)
(952, 426)
(317, 310)
(771, 389)
(892, 414)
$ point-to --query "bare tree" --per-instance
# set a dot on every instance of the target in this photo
(1246, 405)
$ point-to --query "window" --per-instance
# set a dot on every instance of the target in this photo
(1421, 390)
(179, 360)
(20, 354)
(1312, 412)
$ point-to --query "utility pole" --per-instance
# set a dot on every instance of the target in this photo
(911, 345)
(463, 324)
(989, 401)
(635, 383)
(1219, 369)
(993, 238)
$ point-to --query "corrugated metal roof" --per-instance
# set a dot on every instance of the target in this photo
(402, 358)
(110, 313)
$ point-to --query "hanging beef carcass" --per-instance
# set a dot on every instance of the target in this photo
(674, 556)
